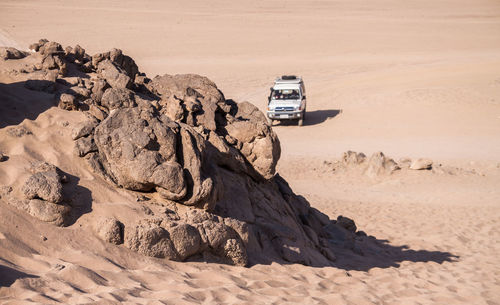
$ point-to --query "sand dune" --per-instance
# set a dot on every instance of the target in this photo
(411, 79)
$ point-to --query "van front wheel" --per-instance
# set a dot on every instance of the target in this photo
(301, 122)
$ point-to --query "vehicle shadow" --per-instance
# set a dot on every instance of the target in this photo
(312, 118)
(319, 116)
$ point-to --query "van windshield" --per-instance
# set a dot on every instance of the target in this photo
(286, 94)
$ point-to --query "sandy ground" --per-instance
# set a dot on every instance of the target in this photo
(409, 78)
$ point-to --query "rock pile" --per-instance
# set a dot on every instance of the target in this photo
(208, 161)
(378, 165)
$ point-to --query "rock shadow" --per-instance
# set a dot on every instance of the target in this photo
(78, 197)
(18, 103)
(9, 275)
(370, 252)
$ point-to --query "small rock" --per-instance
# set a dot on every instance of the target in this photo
(346, 223)
(421, 164)
(3, 157)
(353, 158)
(68, 102)
(44, 185)
(110, 230)
(83, 129)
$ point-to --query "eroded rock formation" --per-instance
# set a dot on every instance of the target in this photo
(210, 162)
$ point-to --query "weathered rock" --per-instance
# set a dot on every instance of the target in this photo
(132, 145)
(259, 145)
(83, 129)
(198, 95)
(36, 46)
(51, 47)
(148, 238)
(84, 146)
(68, 102)
(353, 158)
(97, 112)
(45, 185)
(114, 76)
(186, 240)
(98, 89)
(115, 98)
(11, 53)
(379, 164)
(78, 53)
(110, 230)
(234, 250)
(421, 164)
(56, 214)
(346, 223)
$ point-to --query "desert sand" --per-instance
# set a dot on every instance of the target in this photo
(409, 78)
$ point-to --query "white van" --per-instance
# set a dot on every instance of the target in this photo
(287, 100)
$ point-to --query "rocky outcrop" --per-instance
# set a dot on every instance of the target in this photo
(208, 162)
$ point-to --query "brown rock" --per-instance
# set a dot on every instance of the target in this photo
(51, 47)
(110, 230)
(346, 223)
(44, 185)
(148, 238)
(68, 102)
(186, 240)
(421, 164)
(114, 76)
(114, 98)
(84, 146)
(11, 53)
(379, 164)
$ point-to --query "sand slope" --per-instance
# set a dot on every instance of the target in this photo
(412, 78)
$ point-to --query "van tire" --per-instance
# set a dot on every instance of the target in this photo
(270, 121)
(300, 122)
